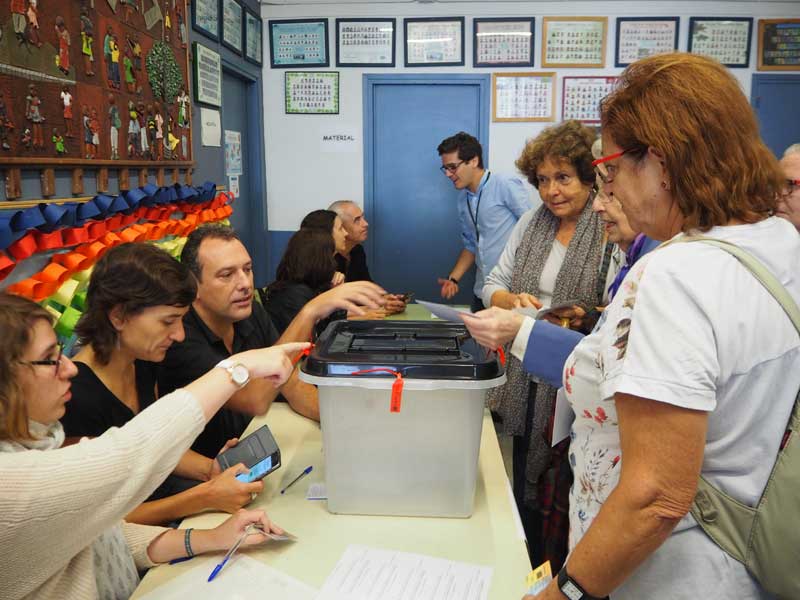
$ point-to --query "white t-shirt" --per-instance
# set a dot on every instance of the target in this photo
(691, 327)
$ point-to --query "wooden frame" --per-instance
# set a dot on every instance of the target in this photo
(791, 24)
(551, 75)
(606, 80)
(204, 55)
(695, 21)
(223, 4)
(292, 110)
(252, 15)
(547, 24)
(286, 24)
(198, 26)
(476, 22)
(422, 20)
(618, 62)
(387, 63)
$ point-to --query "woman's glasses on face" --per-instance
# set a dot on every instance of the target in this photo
(606, 172)
(50, 361)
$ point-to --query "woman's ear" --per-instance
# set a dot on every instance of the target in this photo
(117, 317)
(656, 155)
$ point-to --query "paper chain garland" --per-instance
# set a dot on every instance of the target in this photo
(146, 214)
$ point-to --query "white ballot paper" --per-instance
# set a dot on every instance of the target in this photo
(242, 578)
(444, 311)
(365, 573)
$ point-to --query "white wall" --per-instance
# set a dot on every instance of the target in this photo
(301, 178)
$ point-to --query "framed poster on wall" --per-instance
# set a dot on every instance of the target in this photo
(205, 18)
(779, 45)
(581, 97)
(298, 43)
(312, 93)
(642, 37)
(207, 78)
(434, 42)
(365, 42)
(726, 39)
(232, 27)
(253, 38)
(503, 42)
(523, 97)
(574, 41)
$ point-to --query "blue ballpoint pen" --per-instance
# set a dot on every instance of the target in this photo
(305, 472)
(248, 530)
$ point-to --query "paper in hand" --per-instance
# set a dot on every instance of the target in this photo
(445, 311)
(281, 537)
(538, 579)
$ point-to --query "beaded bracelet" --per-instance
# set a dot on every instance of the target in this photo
(187, 542)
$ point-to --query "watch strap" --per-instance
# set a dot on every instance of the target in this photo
(453, 279)
(572, 589)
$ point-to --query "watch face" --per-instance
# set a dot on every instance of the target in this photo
(240, 374)
(571, 591)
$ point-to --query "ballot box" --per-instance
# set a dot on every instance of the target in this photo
(401, 408)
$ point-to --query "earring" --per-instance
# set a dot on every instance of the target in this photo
(665, 185)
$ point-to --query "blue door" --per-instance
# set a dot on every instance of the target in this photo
(412, 208)
(774, 98)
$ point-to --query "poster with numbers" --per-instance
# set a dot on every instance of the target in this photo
(726, 39)
(574, 41)
(523, 97)
(639, 38)
(582, 95)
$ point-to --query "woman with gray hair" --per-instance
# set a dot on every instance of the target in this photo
(557, 254)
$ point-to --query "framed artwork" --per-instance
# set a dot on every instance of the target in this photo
(581, 97)
(642, 37)
(434, 42)
(312, 93)
(232, 26)
(298, 43)
(574, 41)
(207, 78)
(523, 97)
(726, 39)
(365, 42)
(205, 18)
(503, 42)
(253, 38)
(779, 45)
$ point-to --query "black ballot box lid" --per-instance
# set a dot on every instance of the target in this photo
(416, 349)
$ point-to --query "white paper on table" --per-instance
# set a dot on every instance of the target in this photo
(444, 311)
(242, 578)
(364, 573)
(564, 416)
(317, 491)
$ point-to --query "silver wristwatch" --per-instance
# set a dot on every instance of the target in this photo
(238, 372)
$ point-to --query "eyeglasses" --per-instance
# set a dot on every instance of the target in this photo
(451, 167)
(792, 185)
(56, 362)
(606, 173)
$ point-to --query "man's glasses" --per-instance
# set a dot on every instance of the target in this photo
(605, 172)
(451, 167)
(56, 362)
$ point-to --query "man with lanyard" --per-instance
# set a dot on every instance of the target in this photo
(488, 210)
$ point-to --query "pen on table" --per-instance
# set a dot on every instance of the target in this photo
(247, 531)
(305, 472)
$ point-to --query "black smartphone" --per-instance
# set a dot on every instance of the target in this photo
(257, 449)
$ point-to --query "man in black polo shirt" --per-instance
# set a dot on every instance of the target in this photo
(354, 261)
(224, 320)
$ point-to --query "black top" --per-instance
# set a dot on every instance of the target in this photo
(283, 304)
(199, 353)
(94, 408)
(356, 268)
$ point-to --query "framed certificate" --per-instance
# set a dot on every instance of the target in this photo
(298, 43)
(365, 42)
(205, 18)
(642, 37)
(582, 95)
(312, 93)
(232, 36)
(434, 42)
(779, 45)
(726, 39)
(574, 41)
(207, 81)
(503, 42)
(523, 97)
(253, 38)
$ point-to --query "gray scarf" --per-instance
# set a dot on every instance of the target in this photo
(576, 280)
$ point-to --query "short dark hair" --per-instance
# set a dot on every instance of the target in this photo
(468, 147)
(308, 259)
(319, 219)
(190, 253)
(132, 276)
